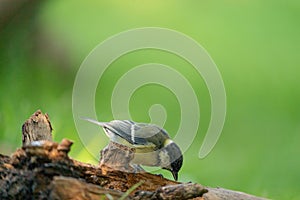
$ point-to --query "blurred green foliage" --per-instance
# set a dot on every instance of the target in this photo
(255, 44)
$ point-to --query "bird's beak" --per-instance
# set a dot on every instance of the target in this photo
(175, 175)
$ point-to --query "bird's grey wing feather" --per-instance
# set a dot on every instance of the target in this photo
(154, 134)
(121, 128)
(137, 134)
(127, 129)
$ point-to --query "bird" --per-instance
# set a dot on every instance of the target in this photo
(153, 146)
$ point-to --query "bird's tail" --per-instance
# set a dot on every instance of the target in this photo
(93, 121)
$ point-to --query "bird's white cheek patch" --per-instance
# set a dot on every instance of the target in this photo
(164, 158)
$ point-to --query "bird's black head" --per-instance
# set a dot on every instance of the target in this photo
(175, 159)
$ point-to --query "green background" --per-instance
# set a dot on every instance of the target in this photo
(255, 44)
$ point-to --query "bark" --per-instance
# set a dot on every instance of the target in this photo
(43, 170)
(37, 127)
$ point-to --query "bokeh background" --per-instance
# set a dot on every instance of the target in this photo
(255, 44)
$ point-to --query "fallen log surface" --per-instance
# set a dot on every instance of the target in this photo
(42, 169)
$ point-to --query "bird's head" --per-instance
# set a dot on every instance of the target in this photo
(171, 159)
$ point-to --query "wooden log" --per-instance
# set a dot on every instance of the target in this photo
(70, 188)
(222, 193)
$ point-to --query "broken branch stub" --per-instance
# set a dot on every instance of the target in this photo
(37, 127)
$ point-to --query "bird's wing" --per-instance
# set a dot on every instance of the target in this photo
(130, 131)
(140, 135)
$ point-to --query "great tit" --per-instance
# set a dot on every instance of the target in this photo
(152, 144)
